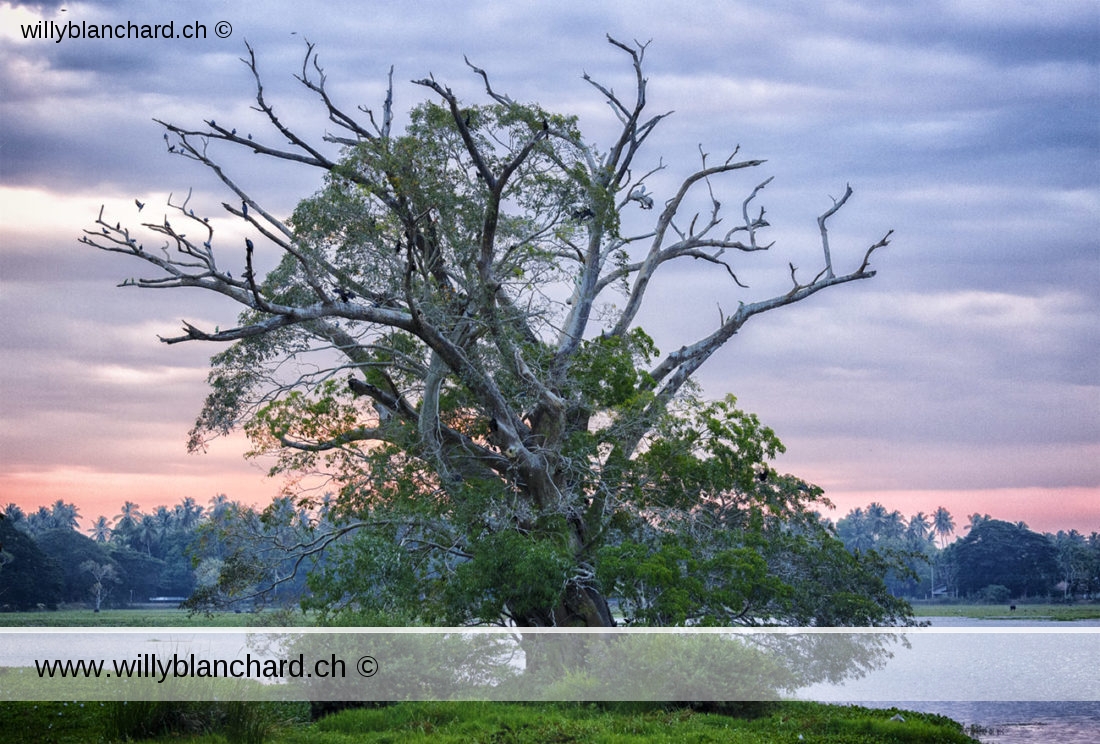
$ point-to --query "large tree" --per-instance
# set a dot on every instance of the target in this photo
(28, 576)
(450, 335)
(1005, 554)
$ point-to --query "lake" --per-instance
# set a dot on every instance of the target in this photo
(1016, 722)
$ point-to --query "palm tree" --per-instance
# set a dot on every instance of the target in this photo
(854, 531)
(187, 512)
(64, 516)
(919, 528)
(943, 524)
(893, 525)
(39, 521)
(876, 518)
(126, 525)
(218, 505)
(976, 519)
(162, 518)
(129, 516)
(100, 530)
(147, 532)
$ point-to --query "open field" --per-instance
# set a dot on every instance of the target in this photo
(62, 723)
(159, 618)
(179, 618)
(1066, 612)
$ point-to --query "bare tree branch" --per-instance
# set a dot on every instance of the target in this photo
(837, 204)
(457, 275)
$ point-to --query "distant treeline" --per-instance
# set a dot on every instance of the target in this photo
(175, 552)
(130, 559)
(994, 561)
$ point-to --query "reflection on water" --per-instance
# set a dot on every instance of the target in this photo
(1007, 622)
(1017, 722)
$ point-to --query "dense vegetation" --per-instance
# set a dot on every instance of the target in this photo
(253, 723)
(47, 562)
(994, 561)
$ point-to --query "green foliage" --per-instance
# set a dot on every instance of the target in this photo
(537, 723)
(1078, 562)
(391, 596)
(763, 570)
(997, 552)
(609, 373)
(139, 572)
(856, 725)
(255, 723)
(995, 594)
(317, 416)
(156, 618)
(235, 375)
(907, 549)
(143, 719)
(61, 722)
(28, 576)
(238, 721)
(685, 579)
(71, 551)
(833, 587)
(68, 723)
(509, 571)
(707, 450)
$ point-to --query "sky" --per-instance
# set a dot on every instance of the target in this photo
(966, 374)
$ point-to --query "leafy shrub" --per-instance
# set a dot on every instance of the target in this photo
(995, 594)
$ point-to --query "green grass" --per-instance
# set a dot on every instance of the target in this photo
(1065, 612)
(449, 723)
(146, 618)
(498, 723)
(180, 618)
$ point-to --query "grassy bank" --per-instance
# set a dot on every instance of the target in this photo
(180, 618)
(62, 723)
(1063, 612)
(159, 618)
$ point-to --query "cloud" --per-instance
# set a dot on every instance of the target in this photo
(968, 127)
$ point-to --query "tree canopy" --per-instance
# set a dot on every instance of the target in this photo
(449, 340)
(999, 553)
(28, 576)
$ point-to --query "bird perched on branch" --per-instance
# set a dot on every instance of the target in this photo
(645, 201)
